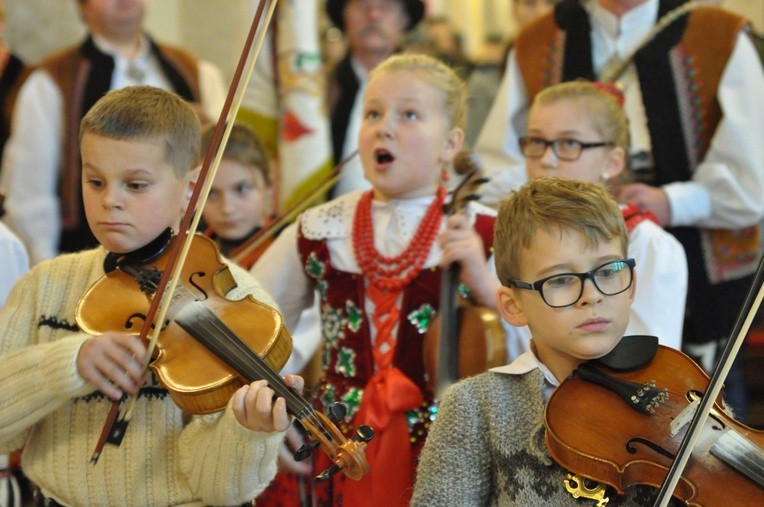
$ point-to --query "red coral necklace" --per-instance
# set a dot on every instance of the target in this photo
(393, 273)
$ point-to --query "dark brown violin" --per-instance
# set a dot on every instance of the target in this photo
(210, 346)
(620, 423)
(464, 339)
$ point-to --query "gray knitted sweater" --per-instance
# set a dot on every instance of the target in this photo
(486, 447)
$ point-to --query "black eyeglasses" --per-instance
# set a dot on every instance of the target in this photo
(564, 148)
(565, 289)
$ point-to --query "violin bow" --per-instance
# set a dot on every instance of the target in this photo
(739, 331)
(114, 427)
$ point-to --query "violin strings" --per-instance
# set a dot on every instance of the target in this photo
(202, 324)
(732, 448)
(302, 408)
(741, 454)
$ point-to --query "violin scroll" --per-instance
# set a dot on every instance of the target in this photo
(347, 454)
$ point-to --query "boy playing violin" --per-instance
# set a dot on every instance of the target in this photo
(560, 248)
(138, 145)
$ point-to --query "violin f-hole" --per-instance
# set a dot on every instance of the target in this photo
(141, 316)
(195, 285)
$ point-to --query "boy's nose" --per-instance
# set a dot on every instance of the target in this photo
(226, 204)
(111, 199)
(591, 294)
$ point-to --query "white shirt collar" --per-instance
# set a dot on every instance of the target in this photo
(628, 29)
(107, 47)
(525, 363)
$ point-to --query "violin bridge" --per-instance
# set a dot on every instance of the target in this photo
(577, 487)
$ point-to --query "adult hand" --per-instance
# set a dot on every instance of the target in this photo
(647, 198)
(113, 362)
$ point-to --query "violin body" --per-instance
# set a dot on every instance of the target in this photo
(197, 379)
(594, 433)
(481, 343)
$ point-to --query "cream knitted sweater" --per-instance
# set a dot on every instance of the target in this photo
(49, 409)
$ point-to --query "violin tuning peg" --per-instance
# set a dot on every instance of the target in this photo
(328, 473)
(305, 451)
(364, 433)
(481, 181)
(337, 412)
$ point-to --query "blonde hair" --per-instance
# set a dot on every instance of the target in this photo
(437, 74)
(602, 108)
(145, 113)
(244, 147)
(554, 204)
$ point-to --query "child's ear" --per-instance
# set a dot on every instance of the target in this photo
(453, 146)
(616, 162)
(190, 182)
(509, 307)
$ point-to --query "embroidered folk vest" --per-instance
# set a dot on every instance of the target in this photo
(679, 73)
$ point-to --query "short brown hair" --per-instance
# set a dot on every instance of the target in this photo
(553, 204)
(146, 113)
(244, 147)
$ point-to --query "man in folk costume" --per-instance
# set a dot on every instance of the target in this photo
(41, 165)
(692, 83)
(374, 29)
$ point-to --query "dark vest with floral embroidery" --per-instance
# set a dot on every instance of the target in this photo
(347, 360)
(679, 73)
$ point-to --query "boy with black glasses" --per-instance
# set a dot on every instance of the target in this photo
(486, 447)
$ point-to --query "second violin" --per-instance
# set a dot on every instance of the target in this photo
(621, 425)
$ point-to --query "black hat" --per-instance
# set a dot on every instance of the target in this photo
(414, 10)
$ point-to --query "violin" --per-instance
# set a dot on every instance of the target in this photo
(464, 339)
(210, 346)
(619, 420)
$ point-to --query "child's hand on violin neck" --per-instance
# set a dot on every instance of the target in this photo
(461, 243)
(255, 408)
(113, 363)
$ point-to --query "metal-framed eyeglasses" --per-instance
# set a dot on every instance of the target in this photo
(565, 289)
(565, 148)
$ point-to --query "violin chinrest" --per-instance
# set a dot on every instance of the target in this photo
(631, 353)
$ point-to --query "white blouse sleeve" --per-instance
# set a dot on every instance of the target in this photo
(661, 284)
